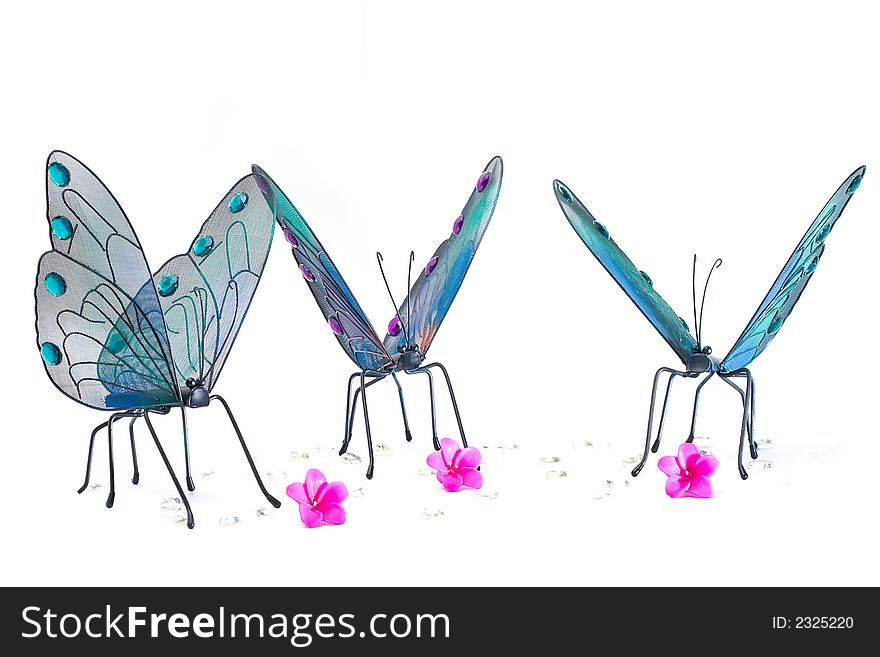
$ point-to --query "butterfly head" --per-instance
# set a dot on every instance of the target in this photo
(700, 360)
(409, 359)
(195, 394)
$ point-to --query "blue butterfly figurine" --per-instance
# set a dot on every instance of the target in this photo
(116, 337)
(761, 329)
(411, 331)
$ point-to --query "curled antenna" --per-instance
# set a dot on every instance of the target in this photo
(699, 327)
(412, 258)
(391, 296)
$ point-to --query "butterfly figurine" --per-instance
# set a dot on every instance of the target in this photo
(116, 337)
(411, 331)
(760, 330)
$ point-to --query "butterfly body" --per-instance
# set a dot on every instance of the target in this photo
(773, 311)
(408, 360)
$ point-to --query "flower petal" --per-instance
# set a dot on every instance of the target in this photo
(334, 493)
(675, 486)
(333, 513)
(705, 466)
(471, 477)
(314, 480)
(469, 457)
(691, 462)
(310, 517)
(450, 480)
(685, 451)
(435, 460)
(700, 487)
(448, 449)
(669, 465)
(298, 492)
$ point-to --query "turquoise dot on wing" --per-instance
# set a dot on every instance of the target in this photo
(167, 285)
(601, 229)
(115, 342)
(51, 353)
(854, 185)
(55, 284)
(565, 194)
(647, 278)
(823, 233)
(203, 246)
(237, 202)
(59, 174)
(61, 228)
(776, 324)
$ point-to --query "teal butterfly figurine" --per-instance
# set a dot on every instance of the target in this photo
(116, 337)
(760, 330)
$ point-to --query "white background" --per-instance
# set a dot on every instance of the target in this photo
(685, 127)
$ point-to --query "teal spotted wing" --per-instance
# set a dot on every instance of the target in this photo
(205, 292)
(99, 322)
(341, 310)
(637, 285)
(789, 285)
(422, 312)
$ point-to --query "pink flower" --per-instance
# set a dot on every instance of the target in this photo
(689, 472)
(456, 467)
(319, 501)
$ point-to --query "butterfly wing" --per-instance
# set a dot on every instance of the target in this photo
(99, 323)
(790, 284)
(432, 294)
(338, 305)
(205, 292)
(637, 285)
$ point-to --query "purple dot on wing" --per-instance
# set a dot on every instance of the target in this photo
(307, 274)
(459, 222)
(394, 326)
(483, 180)
(291, 239)
(432, 263)
(262, 183)
(335, 326)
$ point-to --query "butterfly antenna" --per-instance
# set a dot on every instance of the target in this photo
(694, 292)
(715, 266)
(412, 258)
(391, 296)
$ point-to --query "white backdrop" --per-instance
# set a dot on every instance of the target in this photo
(684, 127)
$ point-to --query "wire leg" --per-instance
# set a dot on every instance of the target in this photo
(427, 372)
(402, 409)
(136, 477)
(190, 486)
(353, 410)
(111, 496)
(745, 423)
(363, 390)
(656, 444)
(190, 521)
(690, 437)
(452, 398)
(750, 390)
(247, 454)
(89, 459)
(349, 414)
(636, 470)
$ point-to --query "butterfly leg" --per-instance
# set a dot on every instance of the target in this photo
(247, 454)
(750, 391)
(427, 372)
(690, 437)
(190, 521)
(636, 470)
(349, 414)
(89, 461)
(402, 408)
(136, 477)
(452, 398)
(363, 390)
(190, 486)
(745, 423)
(656, 444)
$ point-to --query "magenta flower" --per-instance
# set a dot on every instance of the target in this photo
(688, 472)
(456, 467)
(319, 502)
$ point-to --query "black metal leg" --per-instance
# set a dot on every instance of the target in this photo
(656, 444)
(363, 390)
(745, 421)
(350, 426)
(190, 521)
(434, 437)
(89, 459)
(136, 477)
(190, 486)
(452, 398)
(247, 454)
(111, 496)
(346, 438)
(636, 470)
(753, 442)
(402, 408)
(690, 437)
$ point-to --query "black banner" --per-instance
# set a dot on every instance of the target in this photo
(401, 620)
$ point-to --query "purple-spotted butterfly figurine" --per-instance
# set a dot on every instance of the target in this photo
(411, 331)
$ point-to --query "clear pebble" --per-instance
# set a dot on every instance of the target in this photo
(96, 486)
(357, 492)
(171, 505)
(486, 494)
(632, 460)
(601, 496)
(297, 455)
(549, 460)
(265, 512)
(350, 457)
(276, 475)
(627, 482)
(584, 444)
(325, 451)
(763, 443)
(178, 518)
(705, 452)
(207, 474)
(425, 472)
(609, 484)
(383, 448)
(555, 474)
(760, 464)
(228, 521)
(432, 514)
